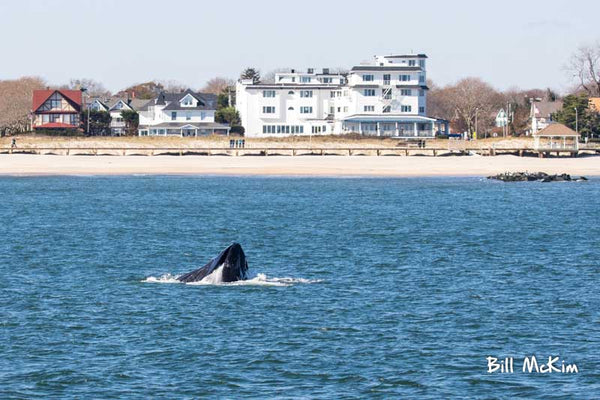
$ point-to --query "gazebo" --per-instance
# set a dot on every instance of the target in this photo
(556, 138)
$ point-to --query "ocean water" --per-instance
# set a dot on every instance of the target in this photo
(362, 288)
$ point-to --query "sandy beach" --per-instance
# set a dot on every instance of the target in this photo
(21, 164)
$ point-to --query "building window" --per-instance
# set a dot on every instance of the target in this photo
(421, 78)
(406, 92)
(173, 116)
(387, 95)
(290, 108)
(187, 101)
(305, 79)
(268, 93)
(422, 63)
(421, 92)
(387, 109)
(412, 63)
(368, 78)
(404, 78)
(369, 92)
(387, 79)
(55, 102)
(306, 93)
(422, 110)
(202, 115)
(327, 80)
(188, 116)
(369, 108)
(406, 109)
(306, 110)
(268, 110)
(291, 92)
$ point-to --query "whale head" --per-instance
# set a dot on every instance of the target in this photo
(230, 266)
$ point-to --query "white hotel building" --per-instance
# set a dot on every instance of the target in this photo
(385, 97)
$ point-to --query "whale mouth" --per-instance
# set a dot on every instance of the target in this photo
(258, 280)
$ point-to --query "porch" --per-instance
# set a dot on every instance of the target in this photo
(187, 130)
(398, 127)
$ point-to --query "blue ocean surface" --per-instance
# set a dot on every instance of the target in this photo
(362, 288)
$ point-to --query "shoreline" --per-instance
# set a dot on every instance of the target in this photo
(323, 166)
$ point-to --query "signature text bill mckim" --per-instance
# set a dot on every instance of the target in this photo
(531, 365)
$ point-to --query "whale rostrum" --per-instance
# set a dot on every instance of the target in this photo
(231, 264)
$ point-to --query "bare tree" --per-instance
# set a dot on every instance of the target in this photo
(585, 68)
(15, 103)
(93, 88)
(173, 86)
(217, 85)
(269, 77)
(463, 103)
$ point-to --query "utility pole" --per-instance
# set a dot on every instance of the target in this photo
(476, 121)
(576, 120)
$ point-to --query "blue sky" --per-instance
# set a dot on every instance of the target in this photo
(507, 43)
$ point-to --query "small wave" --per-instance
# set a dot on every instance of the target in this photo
(166, 278)
(258, 280)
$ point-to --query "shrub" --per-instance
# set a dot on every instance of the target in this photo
(238, 129)
(59, 132)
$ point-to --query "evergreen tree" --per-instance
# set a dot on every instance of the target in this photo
(251, 73)
(586, 120)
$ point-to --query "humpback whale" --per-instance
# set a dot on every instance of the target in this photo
(230, 264)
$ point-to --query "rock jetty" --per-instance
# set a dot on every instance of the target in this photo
(535, 177)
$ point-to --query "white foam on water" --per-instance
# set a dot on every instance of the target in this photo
(166, 278)
(216, 279)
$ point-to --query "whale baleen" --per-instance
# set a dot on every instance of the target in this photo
(229, 266)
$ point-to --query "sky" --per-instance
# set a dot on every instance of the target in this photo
(509, 43)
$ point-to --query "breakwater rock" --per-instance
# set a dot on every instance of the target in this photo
(535, 177)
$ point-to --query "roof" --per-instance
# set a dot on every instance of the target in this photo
(546, 108)
(595, 103)
(388, 118)
(407, 56)
(424, 87)
(40, 96)
(384, 68)
(556, 129)
(294, 86)
(171, 100)
(100, 102)
(138, 104)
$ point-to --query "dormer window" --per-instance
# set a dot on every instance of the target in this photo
(188, 101)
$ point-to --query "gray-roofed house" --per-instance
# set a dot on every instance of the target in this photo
(114, 106)
(181, 114)
(541, 114)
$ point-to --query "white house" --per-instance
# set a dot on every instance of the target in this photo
(501, 118)
(181, 114)
(541, 114)
(384, 97)
(117, 125)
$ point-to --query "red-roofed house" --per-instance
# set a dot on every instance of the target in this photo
(56, 109)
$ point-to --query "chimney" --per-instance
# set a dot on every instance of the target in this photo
(311, 71)
(293, 71)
